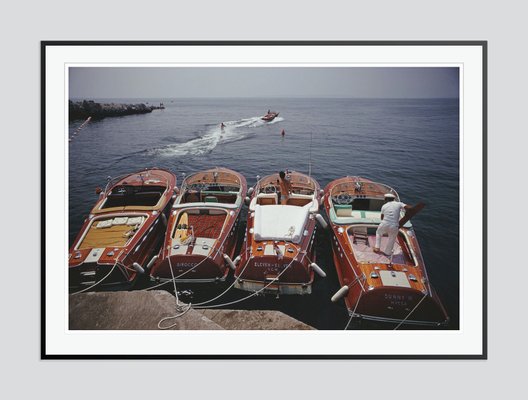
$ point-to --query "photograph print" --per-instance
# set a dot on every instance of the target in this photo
(263, 198)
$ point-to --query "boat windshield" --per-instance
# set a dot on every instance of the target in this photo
(365, 204)
(356, 199)
(210, 194)
(211, 187)
(302, 190)
(299, 183)
(362, 188)
(131, 195)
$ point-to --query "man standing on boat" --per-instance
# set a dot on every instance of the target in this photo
(390, 219)
(285, 187)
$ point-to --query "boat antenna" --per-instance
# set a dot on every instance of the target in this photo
(310, 163)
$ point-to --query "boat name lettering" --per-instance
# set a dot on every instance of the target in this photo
(398, 299)
(390, 296)
(185, 265)
(266, 265)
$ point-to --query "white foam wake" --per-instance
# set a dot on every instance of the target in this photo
(215, 135)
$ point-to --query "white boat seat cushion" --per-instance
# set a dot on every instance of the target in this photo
(280, 222)
(135, 221)
(104, 224)
(119, 220)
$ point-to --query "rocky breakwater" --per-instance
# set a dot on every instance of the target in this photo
(89, 108)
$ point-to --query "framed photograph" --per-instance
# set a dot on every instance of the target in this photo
(264, 200)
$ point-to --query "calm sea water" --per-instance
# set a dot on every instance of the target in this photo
(409, 144)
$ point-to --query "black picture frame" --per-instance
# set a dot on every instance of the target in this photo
(43, 351)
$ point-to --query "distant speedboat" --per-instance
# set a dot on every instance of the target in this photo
(122, 233)
(394, 289)
(201, 235)
(270, 116)
(278, 255)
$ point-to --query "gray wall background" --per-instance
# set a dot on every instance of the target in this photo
(24, 375)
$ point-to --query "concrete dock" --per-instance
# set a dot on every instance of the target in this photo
(142, 310)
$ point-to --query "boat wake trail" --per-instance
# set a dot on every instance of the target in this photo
(215, 135)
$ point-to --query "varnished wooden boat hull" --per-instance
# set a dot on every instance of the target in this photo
(389, 304)
(123, 272)
(270, 117)
(261, 268)
(217, 222)
(405, 295)
(96, 252)
(197, 268)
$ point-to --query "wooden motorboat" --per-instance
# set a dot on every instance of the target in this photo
(270, 116)
(393, 289)
(201, 235)
(278, 254)
(123, 231)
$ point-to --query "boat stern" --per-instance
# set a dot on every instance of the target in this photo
(400, 305)
(97, 266)
(190, 269)
(271, 274)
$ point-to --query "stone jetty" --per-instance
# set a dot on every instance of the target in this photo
(89, 108)
(144, 309)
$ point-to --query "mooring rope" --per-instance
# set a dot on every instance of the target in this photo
(408, 315)
(179, 307)
(226, 290)
(217, 252)
(250, 295)
(106, 276)
(353, 312)
(199, 306)
(357, 302)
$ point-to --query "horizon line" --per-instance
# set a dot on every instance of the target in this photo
(263, 97)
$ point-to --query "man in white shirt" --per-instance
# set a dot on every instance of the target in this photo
(390, 223)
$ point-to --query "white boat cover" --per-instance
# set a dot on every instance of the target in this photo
(280, 222)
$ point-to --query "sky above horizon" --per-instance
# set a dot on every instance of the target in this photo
(216, 82)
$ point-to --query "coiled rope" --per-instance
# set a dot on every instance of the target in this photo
(247, 297)
(179, 307)
(199, 306)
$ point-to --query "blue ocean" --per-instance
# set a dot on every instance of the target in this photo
(409, 144)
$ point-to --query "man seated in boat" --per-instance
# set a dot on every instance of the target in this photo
(285, 187)
(390, 219)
